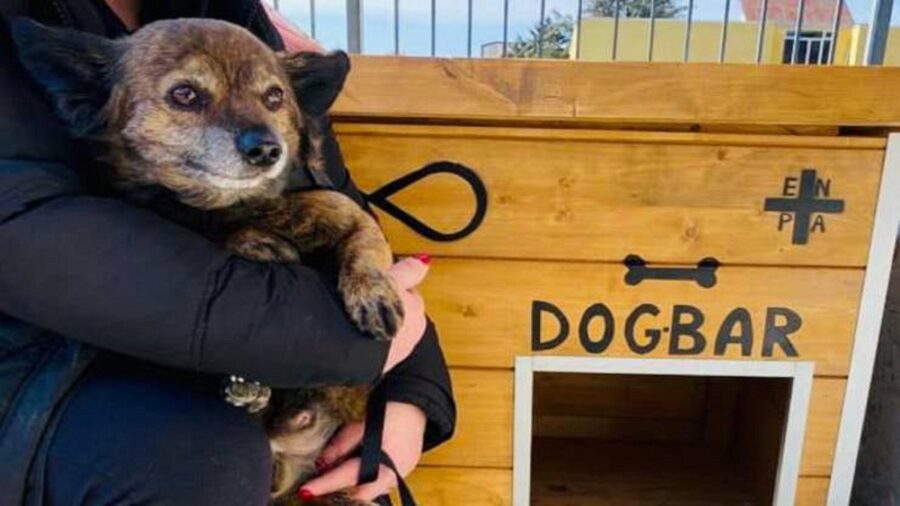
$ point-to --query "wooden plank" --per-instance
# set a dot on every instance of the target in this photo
(812, 491)
(449, 486)
(623, 396)
(712, 93)
(484, 309)
(627, 136)
(825, 405)
(599, 428)
(484, 432)
(483, 435)
(619, 92)
(417, 87)
(453, 486)
(619, 408)
(590, 195)
(575, 473)
(730, 128)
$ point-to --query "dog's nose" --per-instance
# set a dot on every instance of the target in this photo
(259, 146)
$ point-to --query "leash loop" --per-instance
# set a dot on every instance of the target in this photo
(380, 198)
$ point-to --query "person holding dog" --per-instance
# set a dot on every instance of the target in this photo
(116, 325)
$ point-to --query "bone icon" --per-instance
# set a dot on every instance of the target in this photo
(704, 274)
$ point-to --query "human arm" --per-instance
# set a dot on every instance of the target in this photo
(416, 417)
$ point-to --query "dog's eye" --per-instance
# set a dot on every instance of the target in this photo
(273, 98)
(186, 96)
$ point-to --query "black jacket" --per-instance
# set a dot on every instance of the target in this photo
(82, 275)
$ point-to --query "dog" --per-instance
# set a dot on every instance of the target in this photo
(202, 112)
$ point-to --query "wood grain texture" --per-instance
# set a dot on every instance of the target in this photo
(812, 491)
(822, 424)
(619, 92)
(600, 428)
(573, 473)
(484, 309)
(483, 435)
(607, 136)
(453, 486)
(449, 486)
(620, 396)
(485, 427)
(619, 408)
(589, 195)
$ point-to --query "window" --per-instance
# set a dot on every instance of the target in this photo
(814, 47)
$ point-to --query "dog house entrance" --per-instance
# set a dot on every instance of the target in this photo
(604, 431)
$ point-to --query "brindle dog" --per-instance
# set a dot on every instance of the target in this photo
(203, 111)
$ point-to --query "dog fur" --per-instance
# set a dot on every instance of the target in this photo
(160, 110)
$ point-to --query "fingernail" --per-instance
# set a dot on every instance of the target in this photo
(425, 258)
(305, 495)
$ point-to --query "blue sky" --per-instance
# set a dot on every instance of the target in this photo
(451, 34)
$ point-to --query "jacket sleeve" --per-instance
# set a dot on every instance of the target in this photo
(123, 279)
(422, 379)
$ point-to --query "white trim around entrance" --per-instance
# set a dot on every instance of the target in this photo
(801, 374)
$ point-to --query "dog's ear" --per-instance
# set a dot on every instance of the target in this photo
(74, 68)
(316, 78)
(303, 419)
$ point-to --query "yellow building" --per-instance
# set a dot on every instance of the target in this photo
(596, 35)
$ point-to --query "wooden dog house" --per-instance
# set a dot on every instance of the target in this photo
(654, 283)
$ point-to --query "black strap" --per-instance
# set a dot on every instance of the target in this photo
(370, 452)
(372, 456)
(380, 197)
(406, 497)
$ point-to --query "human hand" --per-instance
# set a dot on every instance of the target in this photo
(404, 424)
(404, 432)
(406, 275)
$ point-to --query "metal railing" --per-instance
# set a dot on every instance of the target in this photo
(875, 46)
(878, 33)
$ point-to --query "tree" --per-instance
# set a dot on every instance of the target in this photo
(553, 36)
(634, 8)
(554, 33)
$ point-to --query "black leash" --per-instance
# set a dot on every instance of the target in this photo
(372, 456)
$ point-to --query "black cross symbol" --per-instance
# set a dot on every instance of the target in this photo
(804, 205)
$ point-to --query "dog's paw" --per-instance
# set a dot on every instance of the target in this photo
(254, 244)
(251, 395)
(372, 302)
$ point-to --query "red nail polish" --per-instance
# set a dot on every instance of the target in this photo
(305, 495)
(425, 258)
